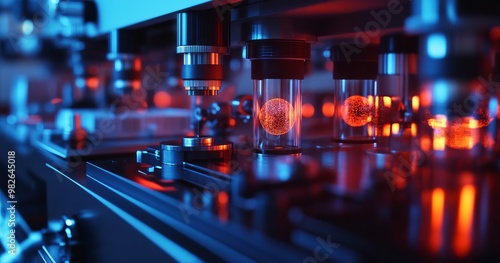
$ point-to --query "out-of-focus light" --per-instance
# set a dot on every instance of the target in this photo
(437, 210)
(27, 27)
(426, 98)
(413, 129)
(118, 65)
(395, 128)
(436, 45)
(328, 109)
(387, 101)
(56, 101)
(370, 100)
(307, 110)
(439, 142)
(137, 64)
(493, 108)
(222, 206)
(415, 103)
(462, 241)
(326, 53)
(386, 130)
(429, 11)
(440, 92)
(92, 83)
(80, 82)
(162, 99)
(136, 84)
(425, 143)
(439, 122)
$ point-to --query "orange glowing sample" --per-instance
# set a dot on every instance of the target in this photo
(437, 210)
(356, 111)
(328, 109)
(307, 110)
(277, 116)
(462, 241)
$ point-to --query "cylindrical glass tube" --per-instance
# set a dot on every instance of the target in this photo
(277, 72)
(354, 75)
(396, 97)
(277, 115)
(354, 104)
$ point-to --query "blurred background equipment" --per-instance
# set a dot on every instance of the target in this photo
(212, 131)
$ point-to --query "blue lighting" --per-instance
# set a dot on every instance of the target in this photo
(436, 46)
(440, 92)
(493, 107)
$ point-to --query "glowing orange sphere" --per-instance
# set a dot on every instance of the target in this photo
(277, 116)
(356, 111)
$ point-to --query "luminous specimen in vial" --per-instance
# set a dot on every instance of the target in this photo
(356, 111)
(277, 116)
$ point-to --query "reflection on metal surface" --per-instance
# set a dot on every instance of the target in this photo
(222, 206)
(463, 237)
(153, 185)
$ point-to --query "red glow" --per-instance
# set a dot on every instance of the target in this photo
(462, 241)
(222, 209)
(307, 110)
(162, 99)
(425, 98)
(137, 64)
(152, 185)
(56, 101)
(92, 83)
(437, 211)
(328, 109)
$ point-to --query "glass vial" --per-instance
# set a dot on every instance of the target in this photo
(277, 115)
(396, 97)
(354, 74)
(277, 73)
